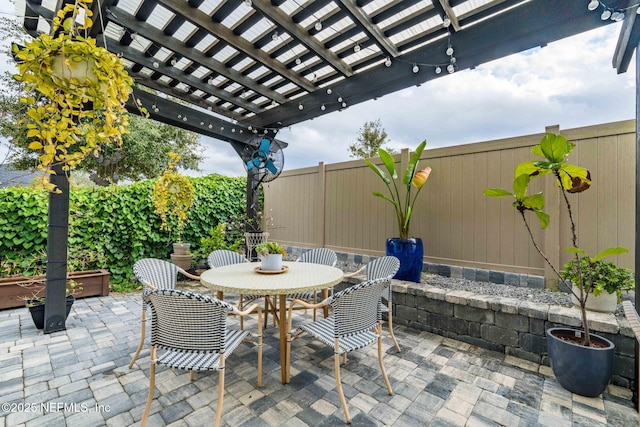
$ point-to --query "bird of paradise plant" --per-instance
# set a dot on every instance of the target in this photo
(412, 177)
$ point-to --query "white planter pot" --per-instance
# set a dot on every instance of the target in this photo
(81, 70)
(271, 262)
(604, 303)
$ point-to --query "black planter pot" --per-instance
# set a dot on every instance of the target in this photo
(409, 252)
(582, 370)
(36, 308)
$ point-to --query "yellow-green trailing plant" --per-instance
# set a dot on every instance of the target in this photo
(173, 196)
(85, 89)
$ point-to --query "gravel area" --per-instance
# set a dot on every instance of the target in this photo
(485, 288)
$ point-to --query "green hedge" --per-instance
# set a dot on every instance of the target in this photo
(112, 227)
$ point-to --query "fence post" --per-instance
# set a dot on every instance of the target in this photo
(552, 232)
(322, 205)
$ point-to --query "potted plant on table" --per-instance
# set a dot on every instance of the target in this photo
(407, 249)
(173, 196)
(271, 254)
(582, 361)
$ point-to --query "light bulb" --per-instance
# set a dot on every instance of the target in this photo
(605, 15)
(300, 107)
(184, 119)
(449, 51)
(247, 2)
(298, 61)
(250, 127)
(344, 105)
(387, 63)
(438, 70)
(174, 62)
(265, 131)
(318, 26)
(593, 5)
(339, 99)
(155, 64)
(356, 48)
(210, 126)
(446, 22)
(211, 82)
(452, 60)
(221, 127)
(617, 16)
(179, 116)
(415, 69)
(274, 36)
(451, 68)
(233, 130)
(322, 107)
(201, 123)
(329, 91)
(638, 11)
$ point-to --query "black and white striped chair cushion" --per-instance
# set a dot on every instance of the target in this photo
(191, 328)
(356, 312)
(322, 256)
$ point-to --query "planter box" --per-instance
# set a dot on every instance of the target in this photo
(12, 293)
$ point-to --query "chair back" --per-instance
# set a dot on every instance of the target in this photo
(323, 256)
(383, 268)
(222, 257)
(357, 308)
(186, 321)
(157, 273)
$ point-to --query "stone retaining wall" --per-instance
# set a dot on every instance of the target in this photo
(505, 325)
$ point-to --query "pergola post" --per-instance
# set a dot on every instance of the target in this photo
(57, 238)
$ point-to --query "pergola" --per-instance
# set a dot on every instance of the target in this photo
(237, 70)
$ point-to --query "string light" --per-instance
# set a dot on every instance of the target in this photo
(274, 36)
(438, 70)
(318, 26)
(356, 48)
(613, 13)
(322, 107)
(329, 91)
(415, 68)
(300, 107)
(387, 63)
(446, 22)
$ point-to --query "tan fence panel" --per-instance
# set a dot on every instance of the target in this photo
(332, 205)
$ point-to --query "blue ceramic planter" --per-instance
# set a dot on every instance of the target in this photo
(409, 252)
(582, 370)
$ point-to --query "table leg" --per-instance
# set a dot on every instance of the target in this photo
(325, 309)
(282, 324)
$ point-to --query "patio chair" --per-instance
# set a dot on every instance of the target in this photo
(222, 257)
(383, 268)
(189, 331)
(323, 256)
(634, 321)
(154, 273)
(355, 323)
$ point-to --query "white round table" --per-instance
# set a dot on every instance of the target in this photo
(300, 277)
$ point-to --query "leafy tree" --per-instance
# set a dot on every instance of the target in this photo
(371, 136)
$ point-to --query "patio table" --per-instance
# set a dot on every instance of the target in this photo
(300, 277)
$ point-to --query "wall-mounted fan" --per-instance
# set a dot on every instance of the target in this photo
(264, 157)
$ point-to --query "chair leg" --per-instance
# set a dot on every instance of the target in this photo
(384, 373)
(220, 393)
(192, 376)
(240, 305)
(336, 358)
(143, 325)
(390, 322)
(152, 385)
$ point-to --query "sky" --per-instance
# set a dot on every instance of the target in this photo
(570, 83)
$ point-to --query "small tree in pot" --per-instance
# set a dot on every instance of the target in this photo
(574, 374)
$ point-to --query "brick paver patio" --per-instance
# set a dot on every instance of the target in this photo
(79, 377)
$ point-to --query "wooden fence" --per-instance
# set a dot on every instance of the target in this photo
(331, 205)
